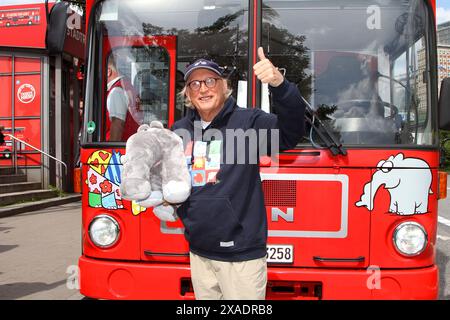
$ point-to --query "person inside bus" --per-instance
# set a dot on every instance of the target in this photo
(2, 136)
(123, 116)
(225, 217)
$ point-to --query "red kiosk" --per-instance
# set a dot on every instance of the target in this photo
(39, 88)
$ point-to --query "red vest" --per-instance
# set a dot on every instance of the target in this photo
(134, 115)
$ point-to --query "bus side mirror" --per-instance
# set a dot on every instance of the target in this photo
(57, 27)
(444, 105)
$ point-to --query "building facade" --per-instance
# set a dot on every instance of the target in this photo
(443, 62)
(443, 33)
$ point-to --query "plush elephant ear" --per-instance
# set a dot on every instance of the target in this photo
(156, 124)
(176, 139)
(123, 159)
(143, 127)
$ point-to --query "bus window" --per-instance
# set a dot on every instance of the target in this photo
(410, 95)
(362, 67)
(136, 91)
(218, 32)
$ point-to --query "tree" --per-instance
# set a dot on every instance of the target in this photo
(79, 3)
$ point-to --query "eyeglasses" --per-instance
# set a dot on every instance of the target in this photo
(195, 85)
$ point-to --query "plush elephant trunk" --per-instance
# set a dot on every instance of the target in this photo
(136, 184)
(370, 189)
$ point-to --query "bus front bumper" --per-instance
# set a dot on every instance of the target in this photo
(106, 279)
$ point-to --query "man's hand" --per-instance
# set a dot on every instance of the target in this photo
(165, 203)
(266, 71)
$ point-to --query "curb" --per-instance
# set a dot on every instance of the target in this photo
(12, 210)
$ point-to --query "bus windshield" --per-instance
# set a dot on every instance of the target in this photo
(364, 66)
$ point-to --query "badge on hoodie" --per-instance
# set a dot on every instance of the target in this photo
(205, 161)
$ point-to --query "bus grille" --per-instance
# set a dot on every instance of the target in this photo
(280, 193)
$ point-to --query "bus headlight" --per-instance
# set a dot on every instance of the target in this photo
(104, 231)
(410, 238)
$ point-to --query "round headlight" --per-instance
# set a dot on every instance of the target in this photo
(410, 238)
(104, 231)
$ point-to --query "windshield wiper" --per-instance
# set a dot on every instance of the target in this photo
(323, 131)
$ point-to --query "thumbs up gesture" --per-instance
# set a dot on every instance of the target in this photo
(266, 71)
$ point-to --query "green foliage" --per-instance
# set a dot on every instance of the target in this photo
(79, 3)
(60, 192)
(446, 146)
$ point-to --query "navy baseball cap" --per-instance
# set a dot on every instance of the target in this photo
(203, 64)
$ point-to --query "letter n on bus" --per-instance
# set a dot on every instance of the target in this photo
(287, 216)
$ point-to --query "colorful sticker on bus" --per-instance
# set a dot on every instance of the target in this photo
(103, 180)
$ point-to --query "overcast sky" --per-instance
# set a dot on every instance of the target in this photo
(443, 10)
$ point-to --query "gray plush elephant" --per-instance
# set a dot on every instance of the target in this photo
(408, 181)
(155, 170)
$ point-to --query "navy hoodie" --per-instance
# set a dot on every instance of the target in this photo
(225, 217)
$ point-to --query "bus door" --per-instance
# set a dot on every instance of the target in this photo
(153, 75)
(148, 63)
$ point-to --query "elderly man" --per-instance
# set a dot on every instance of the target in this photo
(225, 217)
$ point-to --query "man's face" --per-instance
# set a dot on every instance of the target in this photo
(207, 100)
(110, 73)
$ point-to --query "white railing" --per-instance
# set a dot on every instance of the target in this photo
(33, 147)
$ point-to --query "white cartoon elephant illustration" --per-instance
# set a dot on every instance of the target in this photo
(408, 181)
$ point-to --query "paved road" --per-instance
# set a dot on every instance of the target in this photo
(443, 247)
(39, 252)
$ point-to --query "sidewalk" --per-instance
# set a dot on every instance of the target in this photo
(39, 254)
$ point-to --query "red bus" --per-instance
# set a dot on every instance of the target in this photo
(352, 210)
(20, 17)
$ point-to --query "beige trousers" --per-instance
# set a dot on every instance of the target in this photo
(220, 280)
